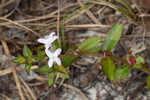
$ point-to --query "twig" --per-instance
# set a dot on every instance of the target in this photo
(26, 93)
(90, 14)
(28, 89)
(78, 14)
(51, 15)
(77, 90)
(87, 26)
(6, 49)
(66, 86)
(7, 3)
(24, 27)
(30, 20)
(8, 70)
(6, 97)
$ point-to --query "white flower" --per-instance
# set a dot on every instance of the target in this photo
(48, 40)
(53, 57)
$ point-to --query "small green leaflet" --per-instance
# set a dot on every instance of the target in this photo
(27, 52)
(89, 44)
(68, 60)
(20, 59)
(63, 75)
(122, 72)
(60, 68)
(137, 65)
(108, 67)
(140, 60)
(113, 37)
(51, 79)
(148, 81)
(27, 67)
(40, 55)
(45, 69)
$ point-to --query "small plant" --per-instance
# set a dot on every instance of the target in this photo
(59, 61)
(54, 66)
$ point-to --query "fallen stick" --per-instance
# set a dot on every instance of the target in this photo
(6, 49)
(9, 70)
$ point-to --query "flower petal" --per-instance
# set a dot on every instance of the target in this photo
(58, 61)
(41, 40)
(52, 34)
(52, 39)
(50, 62)
(57, 52)
(48, 39)
(48, 53)
(47, 46)
(52, 55)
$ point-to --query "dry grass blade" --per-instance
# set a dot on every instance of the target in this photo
(90, 14)
(26, 93)
(8, 70)
(7, 3)
(24, 27)
(51, 15)
(66, 86)
(30, 20)
(4, 44)
(6, 97)
(102, 2)
(28, 89)
(144, 15)
(87, 26)
(48, 23)
(78, 14)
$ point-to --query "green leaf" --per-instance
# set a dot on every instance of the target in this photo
(20, 59)
(63, 75)
(122, 72)
(50, 81)
(89, 44)
(51, 78)
(68, 60)
(45, 69)
(148, 81)
(40, 55)
(140, 60)
(27, 52)
(27, 67)
(113, 37)
(108, 67)
(137, 65)
(60, 68)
